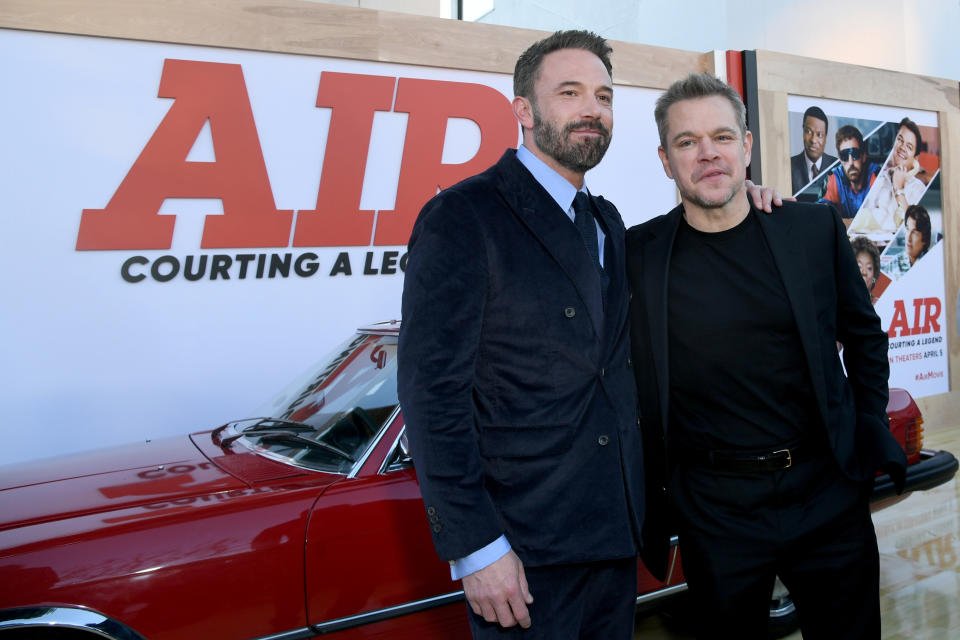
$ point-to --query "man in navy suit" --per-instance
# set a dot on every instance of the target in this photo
(760, 451)
(514, 376)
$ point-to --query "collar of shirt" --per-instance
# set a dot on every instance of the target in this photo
(556, 185)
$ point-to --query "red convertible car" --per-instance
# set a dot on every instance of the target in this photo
(303, 521)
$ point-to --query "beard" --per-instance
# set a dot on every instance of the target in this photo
(712, 203)
(705, 201)
(579, 157)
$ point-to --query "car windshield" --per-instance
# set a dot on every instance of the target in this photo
(345, 400)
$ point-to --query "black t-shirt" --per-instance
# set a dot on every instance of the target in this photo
(738, 374)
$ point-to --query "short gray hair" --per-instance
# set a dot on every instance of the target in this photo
(698, 85)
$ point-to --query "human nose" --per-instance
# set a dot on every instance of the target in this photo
(707, 149)
(590, 108)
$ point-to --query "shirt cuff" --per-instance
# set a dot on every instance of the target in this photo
(479, 559)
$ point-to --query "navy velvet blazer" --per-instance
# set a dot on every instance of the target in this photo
(830, 304)
(515, 384)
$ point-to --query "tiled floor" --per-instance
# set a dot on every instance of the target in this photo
(919, 541)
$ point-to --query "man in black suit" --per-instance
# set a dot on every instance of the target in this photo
(513, 368)
(811, 162)
(758, 446)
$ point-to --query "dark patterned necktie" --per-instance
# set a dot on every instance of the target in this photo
(813, 171)
(587, 226)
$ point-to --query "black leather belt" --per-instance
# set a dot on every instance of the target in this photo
(750, 463)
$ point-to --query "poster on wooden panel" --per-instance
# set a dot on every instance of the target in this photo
(880, 168)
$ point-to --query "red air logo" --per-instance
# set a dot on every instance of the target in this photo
(926, 318)
(215, 92)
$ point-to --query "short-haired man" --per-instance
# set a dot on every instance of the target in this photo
(848, 185)
(809, 163)
(763, 450)
(897, 186)
(518, 401)
(917, 238)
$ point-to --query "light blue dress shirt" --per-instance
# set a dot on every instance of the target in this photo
(563, 193)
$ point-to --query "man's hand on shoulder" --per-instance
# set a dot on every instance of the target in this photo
(764, 198)
(499, 592)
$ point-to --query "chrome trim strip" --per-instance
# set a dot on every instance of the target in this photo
(661, 593)
(393, 447)
(379, 615)
(296, 634)
(373, 445)
(66, 618)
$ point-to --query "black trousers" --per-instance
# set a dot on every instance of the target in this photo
(809, 524)
(594, 600)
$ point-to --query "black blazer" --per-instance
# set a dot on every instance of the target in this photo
(830, 304)
(514, 382)
(798, 170)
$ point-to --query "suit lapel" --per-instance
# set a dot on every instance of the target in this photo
(656, 267)
(551, 226)
(791, 261)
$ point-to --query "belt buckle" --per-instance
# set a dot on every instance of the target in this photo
(789, 457)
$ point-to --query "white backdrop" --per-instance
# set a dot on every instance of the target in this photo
(89, 359)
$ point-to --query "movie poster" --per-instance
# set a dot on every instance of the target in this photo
(880, 168)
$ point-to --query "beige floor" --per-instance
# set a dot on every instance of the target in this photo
(919, 541)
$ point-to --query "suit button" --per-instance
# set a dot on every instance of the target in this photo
(437, 528)
(603, 372)
(569, 312)
(434, 519)
(431, 511)
(629, 362)
(603, 441)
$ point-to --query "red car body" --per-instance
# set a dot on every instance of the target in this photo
(258, 534)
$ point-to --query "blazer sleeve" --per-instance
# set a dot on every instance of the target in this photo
(444, 295)
(865, 359)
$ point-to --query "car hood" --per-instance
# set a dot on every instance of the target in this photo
(108, 479)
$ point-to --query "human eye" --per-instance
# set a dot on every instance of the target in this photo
(605, 98)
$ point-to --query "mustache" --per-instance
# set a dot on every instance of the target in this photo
(722, 167)
(596, 125)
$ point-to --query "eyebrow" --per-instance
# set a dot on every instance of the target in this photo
(577, 84)
(712, 133)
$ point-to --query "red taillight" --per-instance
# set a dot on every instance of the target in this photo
(914, 436)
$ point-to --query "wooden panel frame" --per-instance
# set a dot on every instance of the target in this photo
(311, 28)
(780, 75)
